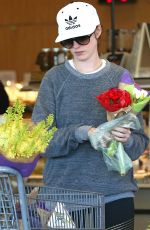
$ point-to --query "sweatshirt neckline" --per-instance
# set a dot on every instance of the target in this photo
(76, 73)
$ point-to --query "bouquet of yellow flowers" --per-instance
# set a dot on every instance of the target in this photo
(21, 142)
(121, 103)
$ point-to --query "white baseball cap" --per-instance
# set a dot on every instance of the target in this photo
(76, 19)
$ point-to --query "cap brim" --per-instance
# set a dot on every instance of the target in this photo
(74, 34)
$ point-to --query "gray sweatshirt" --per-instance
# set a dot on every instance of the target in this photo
(71, 162)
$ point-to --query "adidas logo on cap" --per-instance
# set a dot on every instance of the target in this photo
(71, 21)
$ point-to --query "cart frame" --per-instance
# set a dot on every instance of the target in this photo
(84, 205)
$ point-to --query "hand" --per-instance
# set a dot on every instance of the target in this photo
(92, 129)
(121, 134)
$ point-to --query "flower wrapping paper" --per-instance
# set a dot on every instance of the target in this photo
(25, 168)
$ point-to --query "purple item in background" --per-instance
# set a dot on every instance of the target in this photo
(126, 78)
(25, 169)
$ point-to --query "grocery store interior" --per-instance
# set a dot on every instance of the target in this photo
(27, 46)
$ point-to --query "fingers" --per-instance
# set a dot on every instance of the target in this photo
(121, 134)
(92, 129)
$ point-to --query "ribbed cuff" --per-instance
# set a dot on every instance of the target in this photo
(129, 143)
(81, 133)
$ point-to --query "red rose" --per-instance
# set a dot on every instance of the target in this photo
(114, 99)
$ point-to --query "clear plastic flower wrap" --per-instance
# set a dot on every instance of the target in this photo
(114, 154)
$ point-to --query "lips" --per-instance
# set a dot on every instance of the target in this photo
(78, 53)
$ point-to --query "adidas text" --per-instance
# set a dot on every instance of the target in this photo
(72, 27)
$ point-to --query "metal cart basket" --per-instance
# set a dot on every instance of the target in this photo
(41, 207)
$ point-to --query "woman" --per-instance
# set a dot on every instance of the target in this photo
(69, 92)
(4, 99)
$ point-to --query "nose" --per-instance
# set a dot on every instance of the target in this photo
(75, 44)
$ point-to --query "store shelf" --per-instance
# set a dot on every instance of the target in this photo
(144, 82)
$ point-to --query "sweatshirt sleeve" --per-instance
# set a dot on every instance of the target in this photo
(137, 142)
(65, 139)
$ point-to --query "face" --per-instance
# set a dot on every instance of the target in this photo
(85, 47)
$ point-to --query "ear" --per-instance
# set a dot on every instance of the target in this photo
(98, 31)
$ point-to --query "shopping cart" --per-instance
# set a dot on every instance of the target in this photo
(41, 207)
